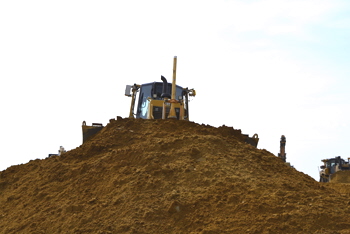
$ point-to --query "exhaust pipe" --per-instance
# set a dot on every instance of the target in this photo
(165, 93)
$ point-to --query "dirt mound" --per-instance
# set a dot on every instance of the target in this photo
(341, 177)
(167, 176)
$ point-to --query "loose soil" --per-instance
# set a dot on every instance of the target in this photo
(168, 176)
(341, 177)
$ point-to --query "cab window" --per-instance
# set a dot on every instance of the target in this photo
(142, 109)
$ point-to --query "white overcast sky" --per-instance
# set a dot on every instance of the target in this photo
(270, 67)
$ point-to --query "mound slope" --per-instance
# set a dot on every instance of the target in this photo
(341, 177)
(166, 176)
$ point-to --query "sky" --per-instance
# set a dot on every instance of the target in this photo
(271, 67)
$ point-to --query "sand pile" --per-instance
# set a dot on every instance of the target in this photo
(167, 176)
(341, 177)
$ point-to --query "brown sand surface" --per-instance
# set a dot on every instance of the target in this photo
(168, 176)
(341, 177)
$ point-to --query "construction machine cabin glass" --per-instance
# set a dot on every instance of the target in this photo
(150, 101)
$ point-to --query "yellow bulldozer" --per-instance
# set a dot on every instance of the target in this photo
(157, 100)
(331, 167)
(160, 100)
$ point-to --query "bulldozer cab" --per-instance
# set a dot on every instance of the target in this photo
(332, 166)
(156, 101)
(159, 100)
(332, 163)
(150, 100)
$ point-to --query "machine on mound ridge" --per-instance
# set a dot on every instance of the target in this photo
(158, 100)
(331, 167)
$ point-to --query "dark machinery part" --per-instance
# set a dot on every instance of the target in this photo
(282, 154)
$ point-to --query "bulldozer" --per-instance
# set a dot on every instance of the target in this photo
(157, 100)
(160, 100)
(331, 167)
